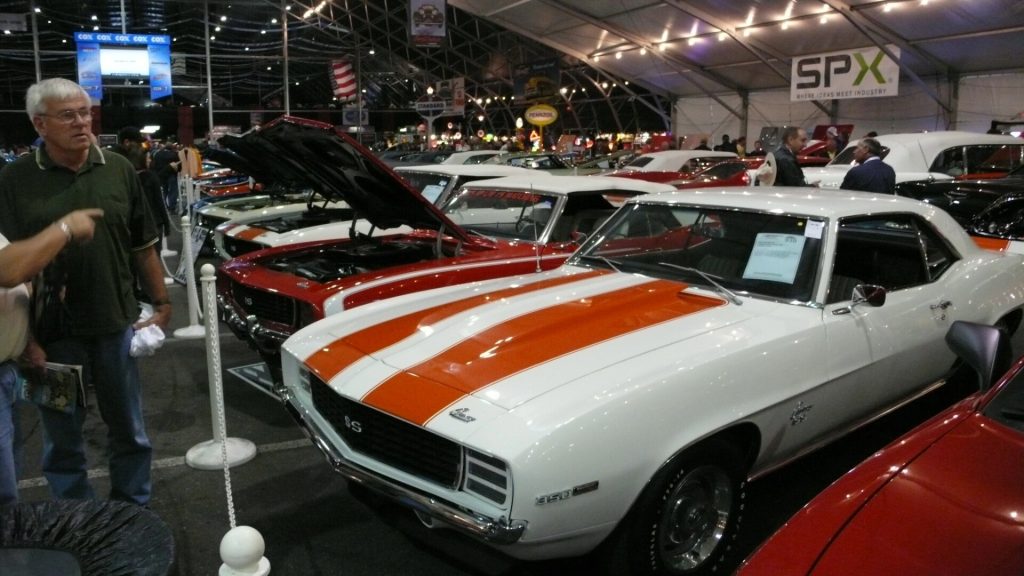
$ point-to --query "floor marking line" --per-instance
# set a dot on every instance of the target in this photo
(173, 462)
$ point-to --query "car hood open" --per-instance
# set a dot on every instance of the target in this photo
(339, 168)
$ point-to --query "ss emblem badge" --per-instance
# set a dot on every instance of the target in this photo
(353, 425)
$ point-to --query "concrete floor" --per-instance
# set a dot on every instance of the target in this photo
(310, 522)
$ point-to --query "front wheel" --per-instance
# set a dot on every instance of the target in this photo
(685, 522)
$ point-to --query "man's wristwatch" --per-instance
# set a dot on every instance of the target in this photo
(66, 230)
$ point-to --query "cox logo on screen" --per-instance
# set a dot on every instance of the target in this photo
(540, 115)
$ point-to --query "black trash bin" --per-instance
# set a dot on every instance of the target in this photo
(86, 537)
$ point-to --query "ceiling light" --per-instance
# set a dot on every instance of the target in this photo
(95, 28)
(149, 128)
(643, 51)
(618, 55)
(39, 10)
(663, 46)
(626, 82)
(604, 85)
(94, 18)
(217, 29)
(785, 25)
(372, 51)
(223, 18)
(746, 32)
(887, 7)
(824, 19)
(263, 31)
(750, 16)
(691, 41)
(269, 67)
(296, 82)
(273, 20)
(7, 32)
(596, 58)
(213, 37)
(722, 36)
(246, 48)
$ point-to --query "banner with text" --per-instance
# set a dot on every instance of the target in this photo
(858, 73)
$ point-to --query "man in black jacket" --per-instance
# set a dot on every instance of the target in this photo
(870, 174)
(788, 171)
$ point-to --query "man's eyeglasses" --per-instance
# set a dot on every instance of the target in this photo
(69, 116)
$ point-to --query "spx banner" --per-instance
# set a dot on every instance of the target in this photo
(859, 73)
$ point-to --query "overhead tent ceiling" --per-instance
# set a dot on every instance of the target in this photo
(662, 48)
(681, 47)
(247, 57)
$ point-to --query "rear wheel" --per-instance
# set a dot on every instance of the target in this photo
(686, 521)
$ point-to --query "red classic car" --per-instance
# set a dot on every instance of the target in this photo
(489, 229)
(724, 173)
(946, 498)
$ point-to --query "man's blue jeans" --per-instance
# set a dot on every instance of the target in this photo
(8, 474)
(112, 371)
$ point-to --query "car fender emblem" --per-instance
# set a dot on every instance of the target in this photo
(302, 284)
(799, 413)
(461, 414)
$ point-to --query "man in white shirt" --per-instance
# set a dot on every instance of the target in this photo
(19, 262)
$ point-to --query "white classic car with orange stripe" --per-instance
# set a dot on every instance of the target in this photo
(693, 342)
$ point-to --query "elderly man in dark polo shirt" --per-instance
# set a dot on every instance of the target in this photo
(66, 173)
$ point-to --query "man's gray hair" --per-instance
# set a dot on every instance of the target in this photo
(874, 146)
(51, 89)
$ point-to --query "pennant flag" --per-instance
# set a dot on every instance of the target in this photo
(343, 79)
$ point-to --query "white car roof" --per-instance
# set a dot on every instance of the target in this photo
(673, 160)
(916, 151)
(562, 185)
(805, 201)
(485, 170)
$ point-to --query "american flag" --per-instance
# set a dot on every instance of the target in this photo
(343, 78)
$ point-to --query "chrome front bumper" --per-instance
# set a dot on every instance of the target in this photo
(265, 340)
(495, 531)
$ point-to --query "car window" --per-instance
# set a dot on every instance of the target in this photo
(896, 251)
(978, 159)
(754, 253)
(1007, 407)
(512, 214)
(640, 162)
(723, 170)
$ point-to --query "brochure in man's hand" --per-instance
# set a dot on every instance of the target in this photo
(61, 388)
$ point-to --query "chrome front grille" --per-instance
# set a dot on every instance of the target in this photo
(264, 305)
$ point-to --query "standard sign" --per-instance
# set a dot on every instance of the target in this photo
(541, 115)
(861, 73)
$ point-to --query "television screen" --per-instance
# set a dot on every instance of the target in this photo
(124, 62)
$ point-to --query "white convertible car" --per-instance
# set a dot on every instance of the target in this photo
(695, 341)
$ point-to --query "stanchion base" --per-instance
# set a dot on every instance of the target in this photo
(262, 569)
(207, 455)
(193, 331)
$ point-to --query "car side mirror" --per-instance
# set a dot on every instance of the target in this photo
(985, 349)
(870, 294)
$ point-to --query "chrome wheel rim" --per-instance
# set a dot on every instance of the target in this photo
(695, 518)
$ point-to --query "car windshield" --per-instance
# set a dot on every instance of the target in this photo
(430, 185)
(513, 214)
(845, 158)
(1007, 407)
(746, 252)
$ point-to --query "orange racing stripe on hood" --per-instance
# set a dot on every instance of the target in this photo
(419, 393)
(250, 233)
(328, 361)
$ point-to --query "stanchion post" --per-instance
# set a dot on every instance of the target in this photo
(194, 330)
(208, 455)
